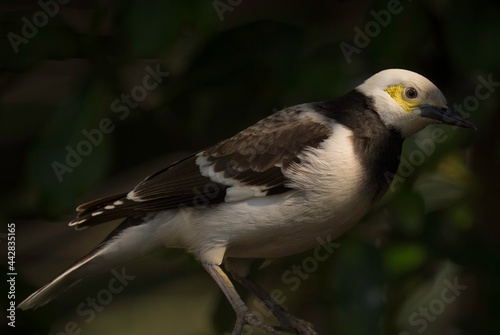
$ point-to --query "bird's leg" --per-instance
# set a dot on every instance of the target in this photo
(288, 322)
(243, 314)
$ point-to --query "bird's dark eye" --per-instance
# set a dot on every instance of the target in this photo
(411, 93)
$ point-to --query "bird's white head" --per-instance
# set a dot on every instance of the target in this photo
(408, 102)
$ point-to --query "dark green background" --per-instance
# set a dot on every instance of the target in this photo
(227, 72)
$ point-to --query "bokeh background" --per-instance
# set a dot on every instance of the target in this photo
(231, 63)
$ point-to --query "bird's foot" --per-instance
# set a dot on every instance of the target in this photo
(248, 318)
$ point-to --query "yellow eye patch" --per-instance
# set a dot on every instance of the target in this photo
(397, 92)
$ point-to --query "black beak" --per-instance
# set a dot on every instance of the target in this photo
(446, 115)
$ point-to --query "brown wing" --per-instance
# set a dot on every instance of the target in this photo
(249, 164)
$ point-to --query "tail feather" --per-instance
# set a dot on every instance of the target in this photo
(125, 243)
(55, 287)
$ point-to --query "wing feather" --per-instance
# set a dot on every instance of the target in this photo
(249, 164)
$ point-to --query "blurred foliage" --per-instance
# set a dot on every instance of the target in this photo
(226, 71)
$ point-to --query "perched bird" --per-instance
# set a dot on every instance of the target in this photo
(306, 172)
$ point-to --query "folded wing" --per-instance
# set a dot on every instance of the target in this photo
(248, 165)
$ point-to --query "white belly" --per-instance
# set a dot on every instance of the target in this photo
(275, 238)
(331, 196)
